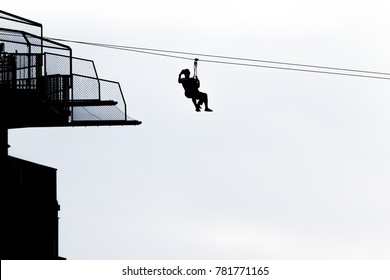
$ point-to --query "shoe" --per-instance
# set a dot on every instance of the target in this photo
(197, 109)
(208, 110)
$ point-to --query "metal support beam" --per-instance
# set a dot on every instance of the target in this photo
(4, 143)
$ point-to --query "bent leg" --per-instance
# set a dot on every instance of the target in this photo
(203, 98)
(193, 96)
(197, 106)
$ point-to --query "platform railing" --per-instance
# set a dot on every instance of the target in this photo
(73, 85)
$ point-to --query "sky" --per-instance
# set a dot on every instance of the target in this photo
(290, 165)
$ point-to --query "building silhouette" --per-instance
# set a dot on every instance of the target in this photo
(43, 85)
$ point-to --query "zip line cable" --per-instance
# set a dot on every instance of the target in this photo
(245, 61)
(229, 57)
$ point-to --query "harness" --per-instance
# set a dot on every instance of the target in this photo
(196, 68)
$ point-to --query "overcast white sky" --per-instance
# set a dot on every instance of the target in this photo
(289, 165)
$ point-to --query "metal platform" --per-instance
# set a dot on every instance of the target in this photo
(43, 85)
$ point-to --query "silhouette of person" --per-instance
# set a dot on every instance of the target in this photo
(191, 90)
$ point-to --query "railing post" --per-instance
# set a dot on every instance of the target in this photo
(3, 143)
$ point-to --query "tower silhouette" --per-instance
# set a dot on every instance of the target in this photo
(43, 85)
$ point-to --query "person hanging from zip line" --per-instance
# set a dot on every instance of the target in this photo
(191, 89)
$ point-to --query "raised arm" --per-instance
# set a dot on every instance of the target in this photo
(179, 79)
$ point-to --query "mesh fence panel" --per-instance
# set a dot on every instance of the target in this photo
(57, 64)
(85, 88)
(84, 67)
(112, 91)
(9, 21)
(91, 88)
(36, 43)
(101, 113)
(14, 41)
